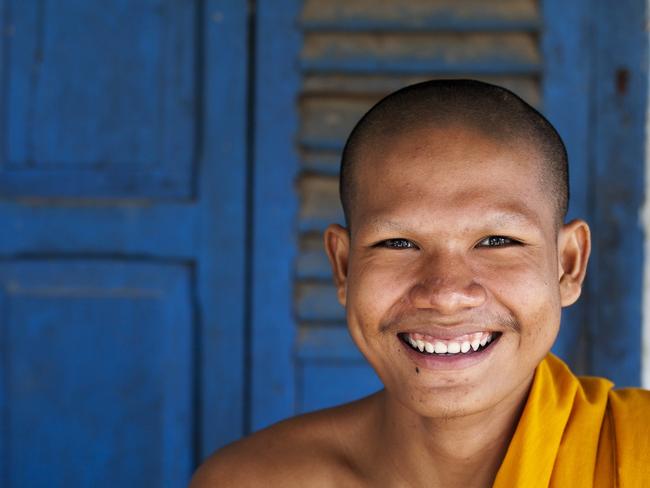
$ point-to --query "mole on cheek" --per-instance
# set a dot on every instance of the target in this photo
(417, 370)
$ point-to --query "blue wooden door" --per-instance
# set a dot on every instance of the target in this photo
(122, 184)
(582, 64)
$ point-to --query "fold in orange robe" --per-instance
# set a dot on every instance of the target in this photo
(578, 432)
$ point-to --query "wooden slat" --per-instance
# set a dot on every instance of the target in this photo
(317, 302)
(476, 53)
(326, 341)
(335, 84)
(320, 204)
(414, 15)
(327, 121)
(312, 263)
(324, 163)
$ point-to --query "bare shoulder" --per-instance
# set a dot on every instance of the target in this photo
(309, 450)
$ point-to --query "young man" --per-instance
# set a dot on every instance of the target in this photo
(453, 269)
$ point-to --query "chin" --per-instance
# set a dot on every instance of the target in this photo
(444, 403)
(438, 395)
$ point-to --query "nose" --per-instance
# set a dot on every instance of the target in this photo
(447, 285)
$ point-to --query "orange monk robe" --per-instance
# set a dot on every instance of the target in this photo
(578, 432)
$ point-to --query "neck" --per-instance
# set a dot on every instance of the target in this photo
(458, 451)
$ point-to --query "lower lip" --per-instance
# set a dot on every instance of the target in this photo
(446, 362)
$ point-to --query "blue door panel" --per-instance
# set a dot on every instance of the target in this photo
(323, 384)
(123, 177)
(102, 98)
(619, 152)
(567, 70)
(330, 370)
(98, 361)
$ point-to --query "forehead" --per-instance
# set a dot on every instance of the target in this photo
(451, 170)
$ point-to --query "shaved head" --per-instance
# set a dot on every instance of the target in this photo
(489, 110)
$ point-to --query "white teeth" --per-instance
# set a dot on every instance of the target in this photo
(451, 347)
(440, 347)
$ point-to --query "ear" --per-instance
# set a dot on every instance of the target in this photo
(337, 246)
(574, 246)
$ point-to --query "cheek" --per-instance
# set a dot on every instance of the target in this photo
(376, 291)
(375, 287)
(528, 284)
(531, 293)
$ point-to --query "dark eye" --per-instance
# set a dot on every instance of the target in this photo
(397, 244)
(496, 241)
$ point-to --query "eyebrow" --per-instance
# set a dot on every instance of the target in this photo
(512, 216)
(521, 216)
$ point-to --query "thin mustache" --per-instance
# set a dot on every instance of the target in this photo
(483, 321)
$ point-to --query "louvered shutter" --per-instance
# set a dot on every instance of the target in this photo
(339, 57)
(354, 53)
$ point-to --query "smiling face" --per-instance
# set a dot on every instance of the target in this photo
(455, 272)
